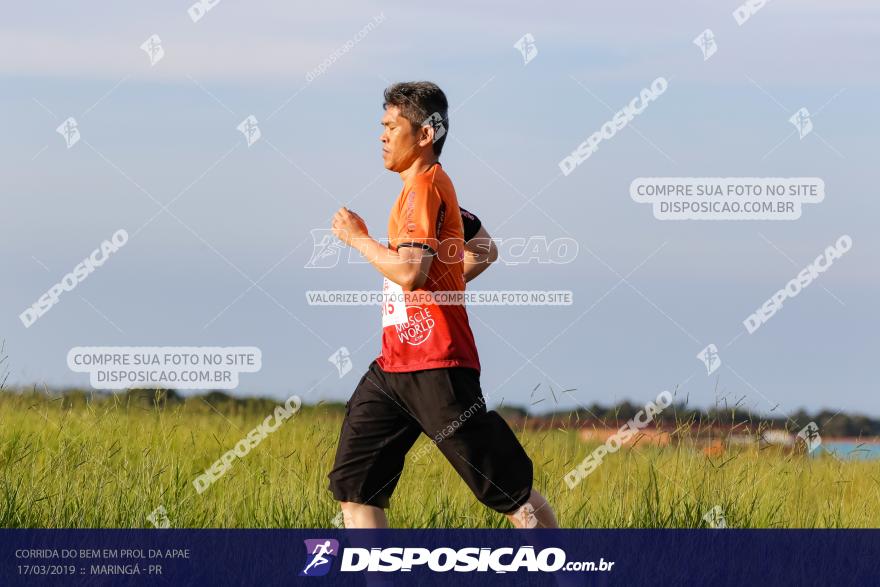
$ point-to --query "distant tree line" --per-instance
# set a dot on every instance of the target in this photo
(831, 423)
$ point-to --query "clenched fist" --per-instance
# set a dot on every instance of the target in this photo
(348, 226)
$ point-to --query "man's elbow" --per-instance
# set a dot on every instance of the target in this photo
(493, 253)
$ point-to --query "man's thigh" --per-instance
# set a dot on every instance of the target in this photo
(451, 409)
(376, 434)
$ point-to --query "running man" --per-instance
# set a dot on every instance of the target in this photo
(428, 373)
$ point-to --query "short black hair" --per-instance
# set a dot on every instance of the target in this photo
(418, 102)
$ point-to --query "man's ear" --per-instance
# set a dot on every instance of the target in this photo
(426, 135)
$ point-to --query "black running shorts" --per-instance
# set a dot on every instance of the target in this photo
(388, 411)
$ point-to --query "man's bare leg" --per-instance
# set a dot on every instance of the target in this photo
(535, 513)
(358, 515)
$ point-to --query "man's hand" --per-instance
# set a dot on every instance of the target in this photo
(348, 226)
(407, 267)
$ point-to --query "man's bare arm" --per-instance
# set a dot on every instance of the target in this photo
(408, 266)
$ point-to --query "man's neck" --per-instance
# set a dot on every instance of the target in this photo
(420, 165)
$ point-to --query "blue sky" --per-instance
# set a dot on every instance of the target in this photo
(169, 131)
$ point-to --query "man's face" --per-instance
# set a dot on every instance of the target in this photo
(400, 144)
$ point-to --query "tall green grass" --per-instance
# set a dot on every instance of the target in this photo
(109, 464)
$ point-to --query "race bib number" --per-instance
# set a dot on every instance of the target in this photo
(393, 304)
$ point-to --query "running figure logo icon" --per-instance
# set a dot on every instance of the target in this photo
(527, 47)
(810, 437)
(153, 48)
(320, 554)
(802, 122)
(326, 249)
(342, 359)
(69, 129)
(249, 127)
(710, 358)
(435, 121)
(706, 42)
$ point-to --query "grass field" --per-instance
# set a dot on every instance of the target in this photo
(109, 465)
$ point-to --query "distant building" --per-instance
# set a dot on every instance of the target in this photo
(780, 437)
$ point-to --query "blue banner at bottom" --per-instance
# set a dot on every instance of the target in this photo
(436, 557)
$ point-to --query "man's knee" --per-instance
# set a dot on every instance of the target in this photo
(353, 506)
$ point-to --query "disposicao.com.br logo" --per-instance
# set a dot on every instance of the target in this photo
(319, 556)
(441, 560)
